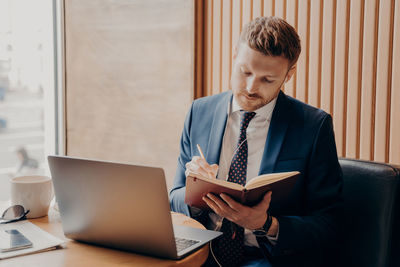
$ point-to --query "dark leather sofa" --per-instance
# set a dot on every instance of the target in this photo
(371, 218)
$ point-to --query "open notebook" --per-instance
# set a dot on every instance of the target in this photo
(281, 184)
(41, 240)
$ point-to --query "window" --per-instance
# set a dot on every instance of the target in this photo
(28, 89)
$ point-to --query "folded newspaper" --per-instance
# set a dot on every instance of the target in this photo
(41, 240)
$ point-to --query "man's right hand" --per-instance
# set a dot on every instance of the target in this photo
(200, 166)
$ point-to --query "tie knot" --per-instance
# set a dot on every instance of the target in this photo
(246, 118)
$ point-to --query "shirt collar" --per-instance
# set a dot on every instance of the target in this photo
(264, 112)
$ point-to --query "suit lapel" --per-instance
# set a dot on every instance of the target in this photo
(217, 129)
(276, 134)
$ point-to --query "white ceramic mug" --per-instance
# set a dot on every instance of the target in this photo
(34, 193)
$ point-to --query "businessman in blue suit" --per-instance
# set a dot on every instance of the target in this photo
(256, 127)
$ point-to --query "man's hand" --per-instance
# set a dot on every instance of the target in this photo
(247, 217)
(200, 166)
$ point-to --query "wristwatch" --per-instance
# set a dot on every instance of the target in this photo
(263, 230)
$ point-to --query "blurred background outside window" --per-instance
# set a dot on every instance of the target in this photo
(26, 86)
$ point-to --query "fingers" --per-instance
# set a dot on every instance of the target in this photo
(247, 217)
(264, 203)
(212, 205)
(232, 203)
(214, 168)
(195, 167)
(267, 197)
(219, 206)
(201, 163)
(200, 166)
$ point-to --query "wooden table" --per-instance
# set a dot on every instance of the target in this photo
(79, 254)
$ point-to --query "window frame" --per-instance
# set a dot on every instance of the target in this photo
(54, 118)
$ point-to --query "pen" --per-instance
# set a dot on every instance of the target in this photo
(201, 152)
(202, 156)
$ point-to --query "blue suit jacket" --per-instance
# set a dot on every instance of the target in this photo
(300, 138)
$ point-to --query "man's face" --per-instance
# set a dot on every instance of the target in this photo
(257, 78)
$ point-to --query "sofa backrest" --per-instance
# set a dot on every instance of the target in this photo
(371, 214)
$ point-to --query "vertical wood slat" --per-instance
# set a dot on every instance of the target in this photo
(342, 49)
(382, 81)
(208, 41)
(340, 77)
(291, 18)
(353, 84)
(236, 10)
(280, 9)
(302, 66)
(394, 140)
(247, 10)
(314, 56)
(269, 7)
(226, 43)
(216, 47)
(199, 50)
(328, 52)
(257, 8)
(368, 80)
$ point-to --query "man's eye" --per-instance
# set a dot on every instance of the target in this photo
(246, 73)
(267, 81)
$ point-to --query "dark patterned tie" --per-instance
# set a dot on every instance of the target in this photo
(229, 248)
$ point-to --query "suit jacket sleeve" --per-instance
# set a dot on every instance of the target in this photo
(177, 193)
(197, 130)
(319, 227)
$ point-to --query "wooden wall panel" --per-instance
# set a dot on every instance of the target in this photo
(208, 47)
(368, 80)
(129, 79)
(226, 43)
(349, 65)
(314, 72)
(328, 52)
(340, 75)
(280, 8)
(247, 11)
(217, 46)
(199, 58)
(258, 8)
(302, 64)
(291, 17)
(394, 141)
(383, 80)
(236, 22)
(269, 8)
(353, 83)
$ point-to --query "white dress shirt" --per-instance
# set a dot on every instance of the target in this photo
(257, 132)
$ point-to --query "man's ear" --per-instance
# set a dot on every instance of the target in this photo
(290, 73)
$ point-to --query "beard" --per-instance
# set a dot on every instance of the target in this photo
(252, 102)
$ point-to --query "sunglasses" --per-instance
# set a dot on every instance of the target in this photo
(13, 214)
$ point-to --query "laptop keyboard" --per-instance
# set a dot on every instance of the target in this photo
(182, 243)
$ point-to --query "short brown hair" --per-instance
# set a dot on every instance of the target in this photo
(272, 36)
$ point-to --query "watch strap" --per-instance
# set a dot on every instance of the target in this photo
(263, 231)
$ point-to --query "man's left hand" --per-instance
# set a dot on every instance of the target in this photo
(247, 217)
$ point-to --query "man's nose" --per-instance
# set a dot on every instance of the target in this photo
(251, 85)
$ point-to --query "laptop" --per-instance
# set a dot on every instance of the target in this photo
(120, 206)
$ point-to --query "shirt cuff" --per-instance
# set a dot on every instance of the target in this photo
(274, 239)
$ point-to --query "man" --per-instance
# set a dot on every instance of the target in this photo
(258, 126)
